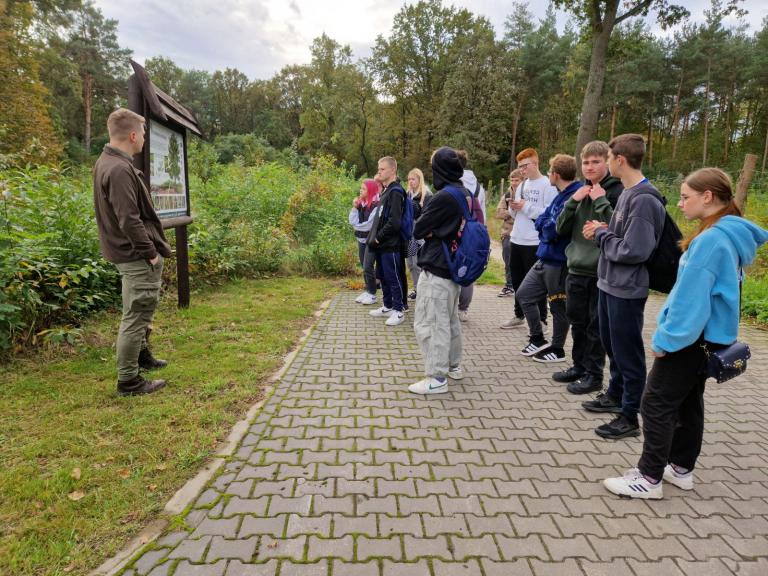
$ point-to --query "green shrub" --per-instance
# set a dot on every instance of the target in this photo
(50, 271)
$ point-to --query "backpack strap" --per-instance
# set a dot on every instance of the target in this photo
(461, 200)
(477, 190)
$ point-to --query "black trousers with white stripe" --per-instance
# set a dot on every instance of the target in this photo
(673, 411)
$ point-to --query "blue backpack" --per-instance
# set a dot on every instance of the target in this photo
(406, 220)
(468, 262)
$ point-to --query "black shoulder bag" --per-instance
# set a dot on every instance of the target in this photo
(729, 361)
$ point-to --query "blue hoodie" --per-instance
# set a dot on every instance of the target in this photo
(551, 245)
(706, 297)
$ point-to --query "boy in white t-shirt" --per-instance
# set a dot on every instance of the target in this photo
(531, 199)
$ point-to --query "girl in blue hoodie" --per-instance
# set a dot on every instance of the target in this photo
(702, 311)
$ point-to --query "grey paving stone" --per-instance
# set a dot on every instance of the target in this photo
(355, 569)
(237, 568)
(368, 548)
(242, 549)
(342, 548)
(255, 525)
(468, 568)
(192, 550)
(188, 569)
(149, 560)
(292, 548)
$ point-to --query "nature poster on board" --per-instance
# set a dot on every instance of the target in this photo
(166, 171)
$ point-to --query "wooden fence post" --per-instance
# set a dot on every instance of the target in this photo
(745, 178)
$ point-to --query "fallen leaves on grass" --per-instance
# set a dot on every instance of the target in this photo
(124, 473)
(76, 473)
(76, 495)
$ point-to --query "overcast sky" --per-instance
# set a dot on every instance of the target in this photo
(259, 37)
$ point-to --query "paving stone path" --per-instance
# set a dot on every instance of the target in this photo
(345, 472)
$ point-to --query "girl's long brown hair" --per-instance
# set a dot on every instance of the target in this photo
(719, 183)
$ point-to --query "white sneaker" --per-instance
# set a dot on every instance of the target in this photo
(634, 485)
(429, 385)
(463, 315)
(395, 318)
(532, 348)
(514, 323)
(366, 299)
(456, 373)
(381, 312)
(682, 481)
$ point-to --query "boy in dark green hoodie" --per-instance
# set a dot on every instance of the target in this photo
(593, 201)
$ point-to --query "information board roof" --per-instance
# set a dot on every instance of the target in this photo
(162, 105)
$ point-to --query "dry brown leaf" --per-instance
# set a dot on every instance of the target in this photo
(39, 505)
(76, 473)
(152, 487)
(161, 467)
(124, 473)
(272, 544)
(98, 465)
(76, 495)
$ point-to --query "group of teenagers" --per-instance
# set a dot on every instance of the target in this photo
(577, 250)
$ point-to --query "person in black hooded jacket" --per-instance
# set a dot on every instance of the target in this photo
(388, 245)
(436, 323)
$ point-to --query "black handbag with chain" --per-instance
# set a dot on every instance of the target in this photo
(729, 361)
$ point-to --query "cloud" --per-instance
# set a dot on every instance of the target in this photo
(259, 37)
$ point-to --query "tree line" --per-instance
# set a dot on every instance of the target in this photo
(441, 76)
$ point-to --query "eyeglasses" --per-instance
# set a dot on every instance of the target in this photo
(525, 165)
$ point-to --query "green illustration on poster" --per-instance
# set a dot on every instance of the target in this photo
(166, 171)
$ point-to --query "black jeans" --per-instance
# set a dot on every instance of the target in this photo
(505, 248)
(521, 259)
(368, 262)
(545, 281)
(621, 331)
(673, 411)
(581, 307)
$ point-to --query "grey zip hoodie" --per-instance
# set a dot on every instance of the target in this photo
(628, 242)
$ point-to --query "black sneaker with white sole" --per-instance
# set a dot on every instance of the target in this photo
(603, 402)
(534, 347)
(550, 354)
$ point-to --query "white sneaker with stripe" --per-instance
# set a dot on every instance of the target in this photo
(429, 385)
(634, 485)
(682, 481)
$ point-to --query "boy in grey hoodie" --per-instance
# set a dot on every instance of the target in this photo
(626, 244)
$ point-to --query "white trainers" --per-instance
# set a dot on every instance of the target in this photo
(366, 299)
(395, 318)
(514, 323)
(429, 385)
(381, 312)
(682, 481)
(456, 373)
(463, 315)
(634, 485)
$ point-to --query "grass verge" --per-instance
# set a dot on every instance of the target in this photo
(84, 469)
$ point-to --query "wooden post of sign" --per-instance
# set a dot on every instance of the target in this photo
(745, 178)
(182, 266)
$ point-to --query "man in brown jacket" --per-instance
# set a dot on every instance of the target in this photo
(132, 238)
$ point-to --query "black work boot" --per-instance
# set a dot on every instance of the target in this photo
(149, 362)
(139, 385)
